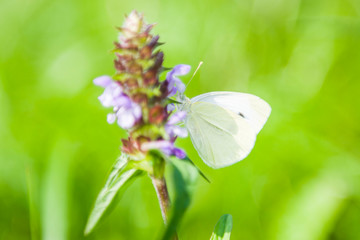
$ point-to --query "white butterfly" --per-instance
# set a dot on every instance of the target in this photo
(223, 125)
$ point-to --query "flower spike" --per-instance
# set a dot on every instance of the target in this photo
(136, 94)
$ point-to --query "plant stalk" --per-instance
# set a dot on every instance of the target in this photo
(163, 197)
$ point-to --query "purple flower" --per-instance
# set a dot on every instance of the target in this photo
(170, 107)
(175, 130)
(111, 117)
(103, 81)
(128, 114)
(125, 110)
(167, 147)
(177, 117)
(179, 153)
(174, 83)
(113, 95)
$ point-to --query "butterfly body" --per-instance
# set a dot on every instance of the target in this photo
(223, 125)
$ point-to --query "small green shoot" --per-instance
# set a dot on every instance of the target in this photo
(223, 228)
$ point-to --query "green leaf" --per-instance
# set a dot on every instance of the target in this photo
(223, 228)
(183, 177)
(119, 176)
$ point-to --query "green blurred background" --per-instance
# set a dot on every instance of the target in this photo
(300, 182)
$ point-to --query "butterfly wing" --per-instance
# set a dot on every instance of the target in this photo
(220, 136)
(252, 108)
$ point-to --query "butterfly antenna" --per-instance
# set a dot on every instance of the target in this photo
(200, 63)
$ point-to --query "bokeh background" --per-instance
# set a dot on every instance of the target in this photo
(301, 181)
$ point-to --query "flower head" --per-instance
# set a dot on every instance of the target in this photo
(138, 98)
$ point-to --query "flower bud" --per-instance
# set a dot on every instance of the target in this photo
(157, 114)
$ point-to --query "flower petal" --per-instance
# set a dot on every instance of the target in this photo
(170, 107)
(179, 153)
(103, 81)
(167, 147)
(177, 117)
(161, 144)
(106, 99)
(111, 117)
(181, 69)
(113, 96)
(179, 85)
(121, 100)
(125, 119)
(172, 92)
(174, 83)
(136, 110)
(179, 131)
